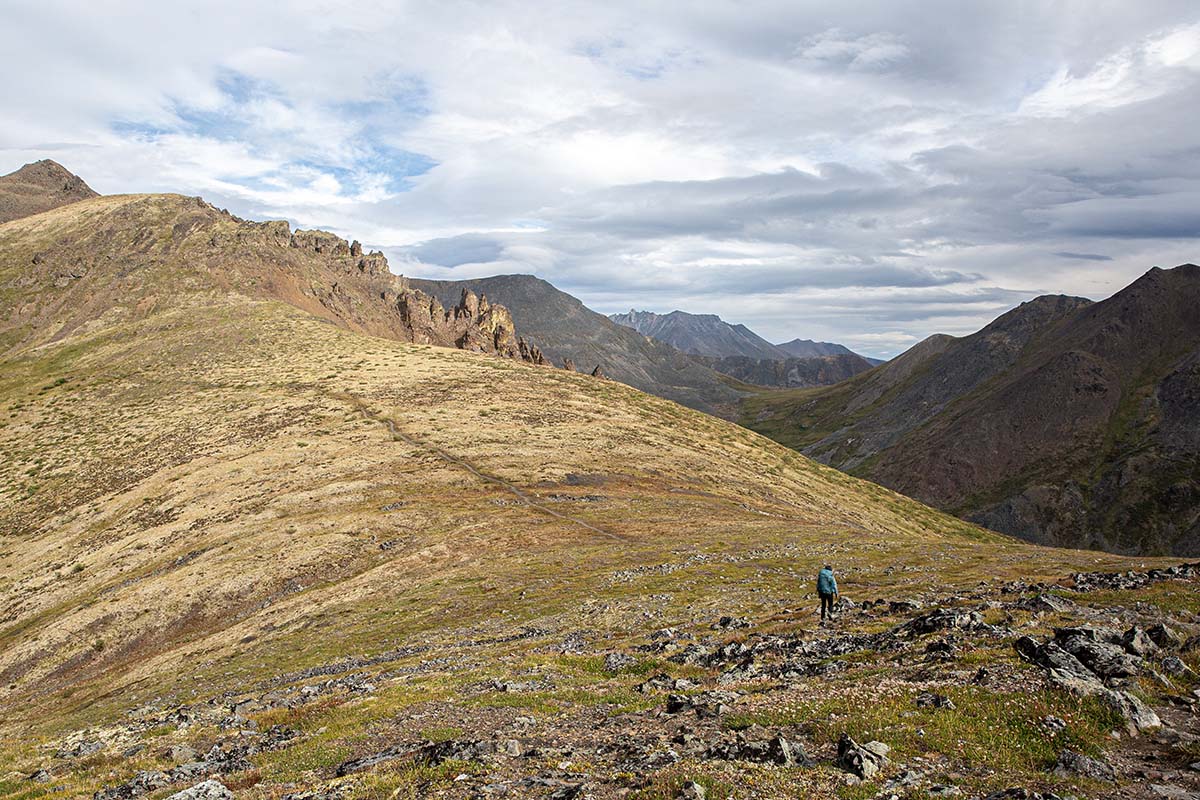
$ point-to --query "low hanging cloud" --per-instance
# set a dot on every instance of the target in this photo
(854, 175)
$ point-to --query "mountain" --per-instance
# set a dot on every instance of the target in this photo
(743, 355)
(566, 329)
(38, 187)
(807, 348)
(790, 372)
(699, 334)
(1064, 421)
(260, 537)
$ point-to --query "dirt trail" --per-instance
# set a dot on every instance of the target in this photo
(462, 463)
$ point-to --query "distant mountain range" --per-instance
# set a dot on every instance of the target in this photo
(740, 353)
(1064, 421)
(567, 331)
(706, 377)
(712, 337)
(699, 334)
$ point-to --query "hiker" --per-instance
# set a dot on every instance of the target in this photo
(827, 589)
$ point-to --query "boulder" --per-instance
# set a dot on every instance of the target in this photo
(209, 790)
(141, 783)
(934, 700)
(1139, 716)
(677, 703)
(1045, 602)
(1054, 658)
(615, 662)
(745, 669)
(940, 619)
(862, 760)
(1071, 763)
(1104, 659)
(903, 606)
(1163, 636)
(1174, 666)
(1138, 642)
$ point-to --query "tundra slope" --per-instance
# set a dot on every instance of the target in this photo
(248, 529)
(1064, 421)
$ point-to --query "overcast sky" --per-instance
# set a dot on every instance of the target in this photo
(867, 173)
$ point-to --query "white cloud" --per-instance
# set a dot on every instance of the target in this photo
(1135, 73)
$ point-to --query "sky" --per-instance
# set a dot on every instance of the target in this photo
(868, 173)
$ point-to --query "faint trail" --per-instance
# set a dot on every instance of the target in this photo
(471, 468)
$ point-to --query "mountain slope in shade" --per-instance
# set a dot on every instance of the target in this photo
(790, 373)
(39, 187)
(1064, 421)
(807, 348)
(699, 334)
(566, 329)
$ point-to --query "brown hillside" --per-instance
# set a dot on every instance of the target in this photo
(39, 187)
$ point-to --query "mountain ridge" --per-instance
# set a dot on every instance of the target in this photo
(1032, 424)
(709, 336)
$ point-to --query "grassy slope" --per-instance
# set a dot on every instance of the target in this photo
(205, 495)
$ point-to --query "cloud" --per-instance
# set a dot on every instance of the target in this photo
(1135, 73)
(835, 48)
(1082, 256)
(849, 174)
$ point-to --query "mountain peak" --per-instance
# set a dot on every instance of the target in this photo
(39, 187)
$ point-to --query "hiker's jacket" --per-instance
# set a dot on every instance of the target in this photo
(826, 583)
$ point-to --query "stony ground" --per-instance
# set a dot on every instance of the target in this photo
(908, 697)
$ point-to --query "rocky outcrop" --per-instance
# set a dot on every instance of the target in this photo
(474, 324)
(862, 760)
(365, 293)
(1090, 662)
(530, 352)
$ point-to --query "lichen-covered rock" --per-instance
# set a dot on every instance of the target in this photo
(208, 790)
(1072, 763)
(1104, 659)
(862, 760)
